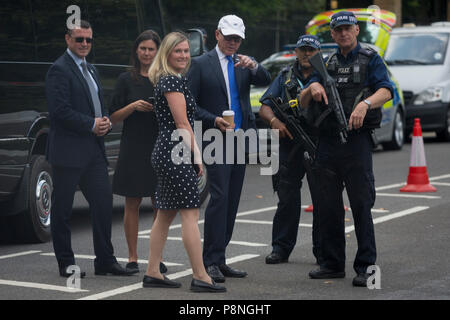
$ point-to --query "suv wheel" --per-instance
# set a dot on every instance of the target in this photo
(444, 135)
(34, 224)
(398, 133)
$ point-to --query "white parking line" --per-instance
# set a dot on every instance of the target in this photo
(399, 185)
(84, 256)
(41, 286)
(245, 213)
(445, 184)
(391, 216)
(408, 195)
(19, 254)
(240, 243)
(181, 274)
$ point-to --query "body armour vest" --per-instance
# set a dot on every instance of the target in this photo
(350, 82)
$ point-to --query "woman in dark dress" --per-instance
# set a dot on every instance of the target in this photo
(177, 180)
(134, 176)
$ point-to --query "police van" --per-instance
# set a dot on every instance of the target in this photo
(32, 38)
(420, 60)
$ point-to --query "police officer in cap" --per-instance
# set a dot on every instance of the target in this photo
(288, 181)
(363, 85)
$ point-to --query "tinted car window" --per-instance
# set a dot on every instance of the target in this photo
(417, 49)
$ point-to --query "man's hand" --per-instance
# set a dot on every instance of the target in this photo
(245, 62)
(223, 125)
(318, 92)
(102, 126)
(357, 117)
(284, 132)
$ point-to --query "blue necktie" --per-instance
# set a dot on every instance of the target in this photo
(234, 94)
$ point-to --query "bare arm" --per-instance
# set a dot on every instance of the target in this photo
(125, 112)
(177, 105)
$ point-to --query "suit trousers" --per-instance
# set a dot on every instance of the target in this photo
(94, 184)
(226, 181)
(350, 165)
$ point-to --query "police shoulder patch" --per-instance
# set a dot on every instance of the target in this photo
(367, 51)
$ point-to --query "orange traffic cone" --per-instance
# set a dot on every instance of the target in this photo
(418, 176)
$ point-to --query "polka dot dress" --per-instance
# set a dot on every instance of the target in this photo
(177, 183)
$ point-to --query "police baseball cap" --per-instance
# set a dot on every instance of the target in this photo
(308, 40)
(342, 18)
(232, 25)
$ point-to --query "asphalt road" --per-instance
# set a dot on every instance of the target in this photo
(412, 234)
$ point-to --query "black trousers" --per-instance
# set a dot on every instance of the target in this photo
(347, 164)
(96, 188)
(287, 184)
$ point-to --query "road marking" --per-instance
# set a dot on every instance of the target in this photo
(245, 213)
(19, 254)
(40, 286)
(391, 216)
(88, 257)
(240, 243)
(177, 275)
(445, 184)
(445, 176)
(418, 196)
(397, 185)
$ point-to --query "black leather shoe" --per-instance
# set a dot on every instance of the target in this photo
(215, 274)
(275, 258)
(323, 273)
(63, 272)
(232, 273)
(150, 282)
(132, 267)
(361, 280)
(162, 267)
(114, 269)
(201, 286)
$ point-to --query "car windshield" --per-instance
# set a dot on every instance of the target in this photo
(417, 49)
(368, 33)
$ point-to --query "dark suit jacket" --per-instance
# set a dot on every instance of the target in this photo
(207, 84)
(71, 141)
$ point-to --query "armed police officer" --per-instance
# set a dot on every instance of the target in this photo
(288, 181)
(363, 85)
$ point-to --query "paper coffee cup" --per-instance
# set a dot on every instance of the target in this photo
(228, 116)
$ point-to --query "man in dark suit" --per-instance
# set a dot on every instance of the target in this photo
(76, 151)
(220, 80)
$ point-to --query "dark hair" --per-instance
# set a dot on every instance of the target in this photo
(83, 24)
(134, 61)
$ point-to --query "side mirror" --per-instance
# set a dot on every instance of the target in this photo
(195, 37)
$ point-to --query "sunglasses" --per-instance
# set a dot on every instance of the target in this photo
(232, 38)
(81, 39)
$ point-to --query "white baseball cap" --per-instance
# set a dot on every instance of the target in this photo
(232, 25)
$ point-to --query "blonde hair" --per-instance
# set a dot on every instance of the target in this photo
(160, 66)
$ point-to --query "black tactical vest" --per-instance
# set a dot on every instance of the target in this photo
(350, 82)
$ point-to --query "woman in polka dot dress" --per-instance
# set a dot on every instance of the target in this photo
(177, 182)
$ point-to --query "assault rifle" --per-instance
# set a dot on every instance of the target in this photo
(293, 125)
(334, 101)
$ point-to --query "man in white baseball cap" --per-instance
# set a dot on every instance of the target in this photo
(220, 80)
(232, 25)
